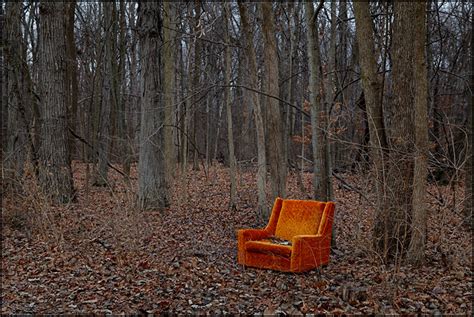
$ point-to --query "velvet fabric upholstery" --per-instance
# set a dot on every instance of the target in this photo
(298, 218)
(306, 224)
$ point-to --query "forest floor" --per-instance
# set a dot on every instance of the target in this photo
(102, 255)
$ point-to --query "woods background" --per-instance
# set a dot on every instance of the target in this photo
(381, 90)
(137, 138)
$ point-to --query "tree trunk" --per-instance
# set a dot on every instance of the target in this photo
(152, 187)
(373, 101)
(71, 79)
(184, 122)
(168, 86)
(218, 132)
(15, 154)
(105, 119)
(125, 152)
(135, 86)
(303, 150)
(196, 85)
(330, 100)
(416, 252)
(318, 108)
(227, 92)
(3, 84)
(400, 134)
(244, 145)
(55, 175)
(468, 179)
(292, 84)
(275, 153)
(208, 131)
(253, 79)
(257, 110)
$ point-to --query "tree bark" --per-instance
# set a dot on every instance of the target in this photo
(55, 175)
(400, 134)
(253, 79)
(318, 108)
(292, 85)
(275, 152)
(105, 119)
(468, 179)
(125, 152)
(196, 74)
(152, 186)
(373, 100)
(184, 122)
(416, 252)
(72, 83)
(15, 155)
(330, 100)
(168, 86)
(227, 93)
(3, 85)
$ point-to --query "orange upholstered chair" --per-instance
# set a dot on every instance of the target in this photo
(306, 226)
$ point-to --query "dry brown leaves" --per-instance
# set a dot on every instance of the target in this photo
(102, 255)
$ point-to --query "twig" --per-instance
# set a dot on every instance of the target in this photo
(96, 152)
(350, 187)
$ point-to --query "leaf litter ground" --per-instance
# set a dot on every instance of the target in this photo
(102, 255)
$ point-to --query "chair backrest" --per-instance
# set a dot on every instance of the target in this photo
(299, 217)
(325, 225)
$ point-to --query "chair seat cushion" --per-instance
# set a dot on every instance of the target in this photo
(266, 246)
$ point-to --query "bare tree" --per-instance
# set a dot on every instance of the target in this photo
(55, 175)
(253, 79)
(3, 82)
(168, 84)
(15, 156)
(227, 92)
(275, 144)
(105, 117)
(416, 252)
(468, 179)
(404, 229)
(400, 135)
(195, 81)
(318, 107)
(152, 186)
(331, 88)
(121, 90)
(72, 88)
(373, 100)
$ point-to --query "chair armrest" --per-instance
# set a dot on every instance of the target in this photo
(311, 249)
(311, 241)
(244, 235)
(252, 234)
